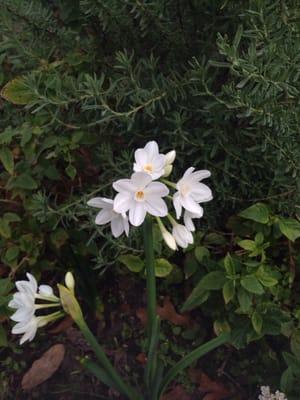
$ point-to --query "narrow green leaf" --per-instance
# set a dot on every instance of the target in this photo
(229, 265)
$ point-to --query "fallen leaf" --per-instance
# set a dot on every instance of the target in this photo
(43, 368)
(141, 358)
(168, 312)
(142, 315)
(214, 390)
(177, 393)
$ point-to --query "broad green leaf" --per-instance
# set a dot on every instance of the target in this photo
(11, 217)
(295, 343)
(265, 278)
(251, 283)
(11, 254)
(71, 171)
(201, 253)
(245, 300)
(5, 286)
(293, 362)
(25, 181)
(290, 228)
(228, 291)
(7, 159)
(215, 238)
(59, 237)
(212, 281)
(257, 322)
(229, 265)
(162, 267)
(247, 245)
(5, 230)
(17, 92)
(258, 212)
(133, 263)
(287, 380)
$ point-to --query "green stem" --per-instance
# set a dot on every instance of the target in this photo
(168, 183)
(191, 357)
(151, 284)
(105, 362)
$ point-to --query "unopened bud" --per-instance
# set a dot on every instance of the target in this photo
(168, 169)
(69, 280)
(170, 157)
(169, 239)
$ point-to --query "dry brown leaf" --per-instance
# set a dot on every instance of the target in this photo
(168, 312)
(177, 393)
(43, 368)
(214, 390)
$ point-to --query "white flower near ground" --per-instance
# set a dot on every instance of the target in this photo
(267, 395)
(24, 303)
(191, 192)
(188, 219)
(140, 195)
(169, 159)
(118, 221)
(182, 236)
(149, 160)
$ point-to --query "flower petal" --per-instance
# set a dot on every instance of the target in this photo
(117, 226)
(177, 204)
(156, 189)
(124, 185)
(103, 217)
(156, 206)
(141, 158)
(123, 202)
(137, 213)
(190, 204)
(140, 180)
(100, 202)
(152, 149)
(199, 175)
(201, 193)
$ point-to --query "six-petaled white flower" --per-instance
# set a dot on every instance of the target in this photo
(118, 221)
(24, 303)
(149, 160)
(140, 195)
(191, 192)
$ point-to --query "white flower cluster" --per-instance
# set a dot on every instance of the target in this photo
(142, 194)
(24, 301)
(267, 395)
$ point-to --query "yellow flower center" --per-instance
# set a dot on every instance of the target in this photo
(148, 168)
(139, 196)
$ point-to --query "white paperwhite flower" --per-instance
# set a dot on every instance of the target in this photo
(267, 395)
(188, 219)
(118, 221)
(191, 192)
(182, 236)
(149, 160)
(170, 157)
(140, 195)
(24, 303)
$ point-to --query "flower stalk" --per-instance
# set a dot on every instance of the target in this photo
(150, 275)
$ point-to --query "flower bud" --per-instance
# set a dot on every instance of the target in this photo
(169, 239)
(168, 169)
(69, 280)
(70, 303)
(170, 157)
